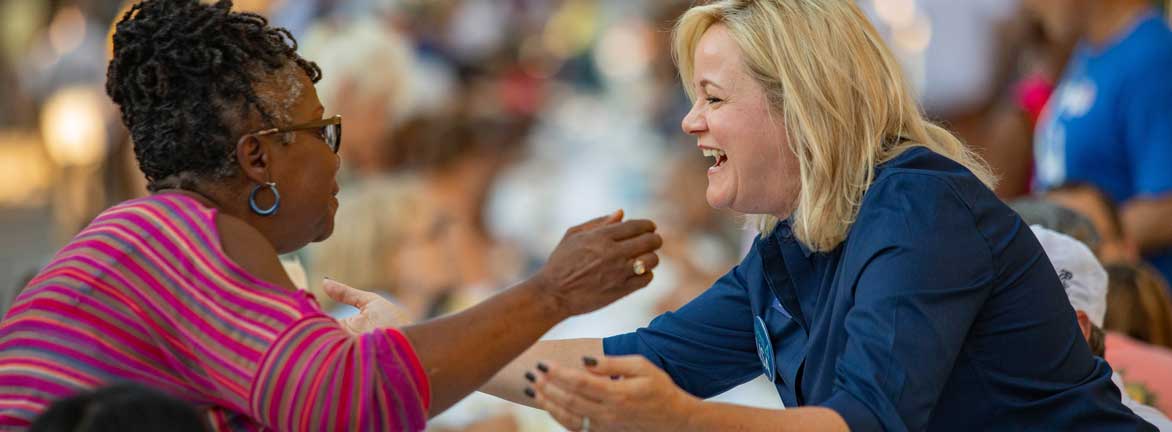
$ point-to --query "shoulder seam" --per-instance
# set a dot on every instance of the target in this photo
(956, 194)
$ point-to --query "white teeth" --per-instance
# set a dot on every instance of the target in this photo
(713, 153)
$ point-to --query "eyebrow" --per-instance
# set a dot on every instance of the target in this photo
(705, 82)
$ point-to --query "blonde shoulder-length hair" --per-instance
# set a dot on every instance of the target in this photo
(842, 96)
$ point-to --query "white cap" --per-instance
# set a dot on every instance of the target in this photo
(1081, 274)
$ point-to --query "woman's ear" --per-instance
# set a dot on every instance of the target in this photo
(253, 158)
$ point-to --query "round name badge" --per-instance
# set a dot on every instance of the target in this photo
(764, 348)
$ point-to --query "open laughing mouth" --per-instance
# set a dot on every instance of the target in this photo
(715, 154)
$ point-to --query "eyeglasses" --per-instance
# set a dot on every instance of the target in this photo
(329, 130)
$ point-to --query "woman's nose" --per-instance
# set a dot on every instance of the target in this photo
(693, 123)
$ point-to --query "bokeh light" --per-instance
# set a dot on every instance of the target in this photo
(896, 13)
(25, 172)
(624, 52)
(67, 30)
(914, 38)
(73, 128)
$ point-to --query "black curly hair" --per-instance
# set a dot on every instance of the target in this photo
(185, 76)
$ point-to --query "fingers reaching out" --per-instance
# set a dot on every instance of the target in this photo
(346, 294)
(611, 393)
(374, 311)
(628, 229)
(600, 221)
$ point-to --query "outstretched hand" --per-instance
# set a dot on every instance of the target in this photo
(626, 393)
(374, 311)
(600, 261)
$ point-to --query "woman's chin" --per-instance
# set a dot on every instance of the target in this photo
(324, 229)
(326, 226)
(325, 232)
(717, 199)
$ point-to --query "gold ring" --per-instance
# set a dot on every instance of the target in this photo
(639, 267)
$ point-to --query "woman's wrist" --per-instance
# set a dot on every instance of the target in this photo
(690, 412)
(540, 290)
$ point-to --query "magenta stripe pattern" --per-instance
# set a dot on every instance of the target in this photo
(146, 294)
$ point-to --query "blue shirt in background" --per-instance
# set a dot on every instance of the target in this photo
(939, 311)
(1109, 123)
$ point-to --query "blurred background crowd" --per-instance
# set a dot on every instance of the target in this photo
(477, 131)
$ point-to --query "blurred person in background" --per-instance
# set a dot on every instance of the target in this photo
(700, 242)
(387, 222)
(457, 161)
(183, 290)
(1085, 282)
(1082, 211)
(1140, 314)
(1091, 202)
(446, 180)
(448, 157)
(1035, 210)
(1036, 65)
(1139, 326)
(1139, 308)
(118, 408)
(1140, 364)
(1108, 121)
(958, 57)
(390, 240)
(886, 276)
(369, 84)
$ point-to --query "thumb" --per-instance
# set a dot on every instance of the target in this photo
(346, 294)
(624, 366)
(615, 217)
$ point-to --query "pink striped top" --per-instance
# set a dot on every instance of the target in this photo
(146, 294)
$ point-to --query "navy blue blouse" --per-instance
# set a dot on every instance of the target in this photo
(939, 311)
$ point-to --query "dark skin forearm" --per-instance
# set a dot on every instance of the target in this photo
(460, 352)
(1145, 220)
(592, 266)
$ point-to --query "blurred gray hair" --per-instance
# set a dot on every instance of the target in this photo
(1039, 211)
(370, 55)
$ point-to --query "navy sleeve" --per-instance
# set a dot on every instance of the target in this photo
(927, 273)
(707, 346)
(1147, 121)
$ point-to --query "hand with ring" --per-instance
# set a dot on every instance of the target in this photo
(639, 267)
(599, 262)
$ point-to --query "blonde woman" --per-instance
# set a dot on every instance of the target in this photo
(889, 288)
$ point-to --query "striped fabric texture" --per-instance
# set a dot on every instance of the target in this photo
(146, 294)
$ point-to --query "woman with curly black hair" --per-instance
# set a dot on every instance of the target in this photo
(182, 291)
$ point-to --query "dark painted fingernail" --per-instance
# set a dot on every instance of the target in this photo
(531, 377)
(529, 392)
(542, 367)
(589, 361)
